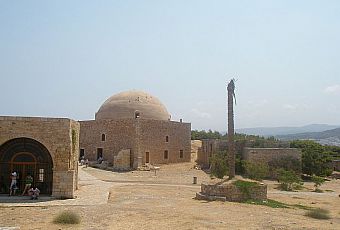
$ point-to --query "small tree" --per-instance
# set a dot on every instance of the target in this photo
(256, 171)
(219, 167)
(288, 179)
(315, 157)
(318, 181)
(288, 163)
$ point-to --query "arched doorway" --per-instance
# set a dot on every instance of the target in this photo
(26, 156)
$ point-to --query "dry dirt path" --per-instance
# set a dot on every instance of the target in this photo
(140, 200)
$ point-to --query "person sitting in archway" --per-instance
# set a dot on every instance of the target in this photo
(13, 187)
(28, 183)
(34, 193)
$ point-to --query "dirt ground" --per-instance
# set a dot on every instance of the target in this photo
(143, 200)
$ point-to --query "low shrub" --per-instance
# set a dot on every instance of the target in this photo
(288, 180)
(245, 186)
(219, 166)
(318, 181)
(256, 171)
(319, 213)
(67, 217)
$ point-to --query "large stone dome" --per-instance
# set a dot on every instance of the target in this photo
(132, 104)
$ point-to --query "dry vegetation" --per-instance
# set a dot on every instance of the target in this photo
(165, 201)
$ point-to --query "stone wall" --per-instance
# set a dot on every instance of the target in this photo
(211, 146)
(196, 146)
(230, 192)
(119, 134)
(122, 160)
(138, 135)
(56, 135)
(335, 165)
(264, 155)
(153, 139)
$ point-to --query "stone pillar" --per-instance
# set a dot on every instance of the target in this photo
(138, 158)
(63, 184)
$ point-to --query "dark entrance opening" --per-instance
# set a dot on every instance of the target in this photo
(26, 157)
(81, 154)
(99, 153)
(147, 157)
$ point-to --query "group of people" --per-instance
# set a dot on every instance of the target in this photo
(84, 162)
(31, 191)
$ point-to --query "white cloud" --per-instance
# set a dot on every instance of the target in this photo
(290, 107)
(333, 89)
(258, 104)
(201, 114)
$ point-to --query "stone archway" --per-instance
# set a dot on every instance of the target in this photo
(26, 156)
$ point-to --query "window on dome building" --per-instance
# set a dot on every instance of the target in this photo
(181, 153)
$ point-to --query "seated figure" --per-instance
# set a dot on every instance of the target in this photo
(34, 193)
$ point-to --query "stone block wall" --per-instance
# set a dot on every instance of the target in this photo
(55, 134)
(138, 135)
(119, 134)
(232, 193)
(122, 160)
(335, 164)
(264, 155)
(196, 146)
(153, 139)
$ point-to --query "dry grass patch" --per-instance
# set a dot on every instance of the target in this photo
(67, 217)
(319, 213)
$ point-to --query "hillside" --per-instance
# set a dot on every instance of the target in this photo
(275, 131)
(328, 137)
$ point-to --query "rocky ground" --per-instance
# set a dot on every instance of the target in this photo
(143, 200)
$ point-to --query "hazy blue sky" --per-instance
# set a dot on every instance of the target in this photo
(64, 58)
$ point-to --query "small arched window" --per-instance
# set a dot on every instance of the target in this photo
(103, 137)
(137, 114)
(166, 139)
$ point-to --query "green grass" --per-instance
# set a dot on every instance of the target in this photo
(67, 217)
(277, 204)
(319, 213)
(245, 187)
(300, 206)
(268, 203)
(243, 184)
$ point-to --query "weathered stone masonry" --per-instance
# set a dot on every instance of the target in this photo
(141, 136)
(60, 136)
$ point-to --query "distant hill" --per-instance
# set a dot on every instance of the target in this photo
(276, 131)
(328, 137)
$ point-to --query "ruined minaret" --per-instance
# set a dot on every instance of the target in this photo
(231, 130)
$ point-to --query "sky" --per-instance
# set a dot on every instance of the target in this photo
(65, 58)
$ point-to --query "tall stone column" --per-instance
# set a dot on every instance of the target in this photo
(137, 155)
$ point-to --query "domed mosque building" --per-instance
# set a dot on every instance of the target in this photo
(132, 129)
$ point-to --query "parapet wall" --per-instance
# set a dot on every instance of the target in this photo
(265, 155)
(231, 192)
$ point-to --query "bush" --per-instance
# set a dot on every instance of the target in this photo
(67, 217)
(319, 213)
(219, 167)
(315, 157)
(288, 179)
(256, 171)
(288, 163)
(245, 187)
(317, 182)
(239, 165)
